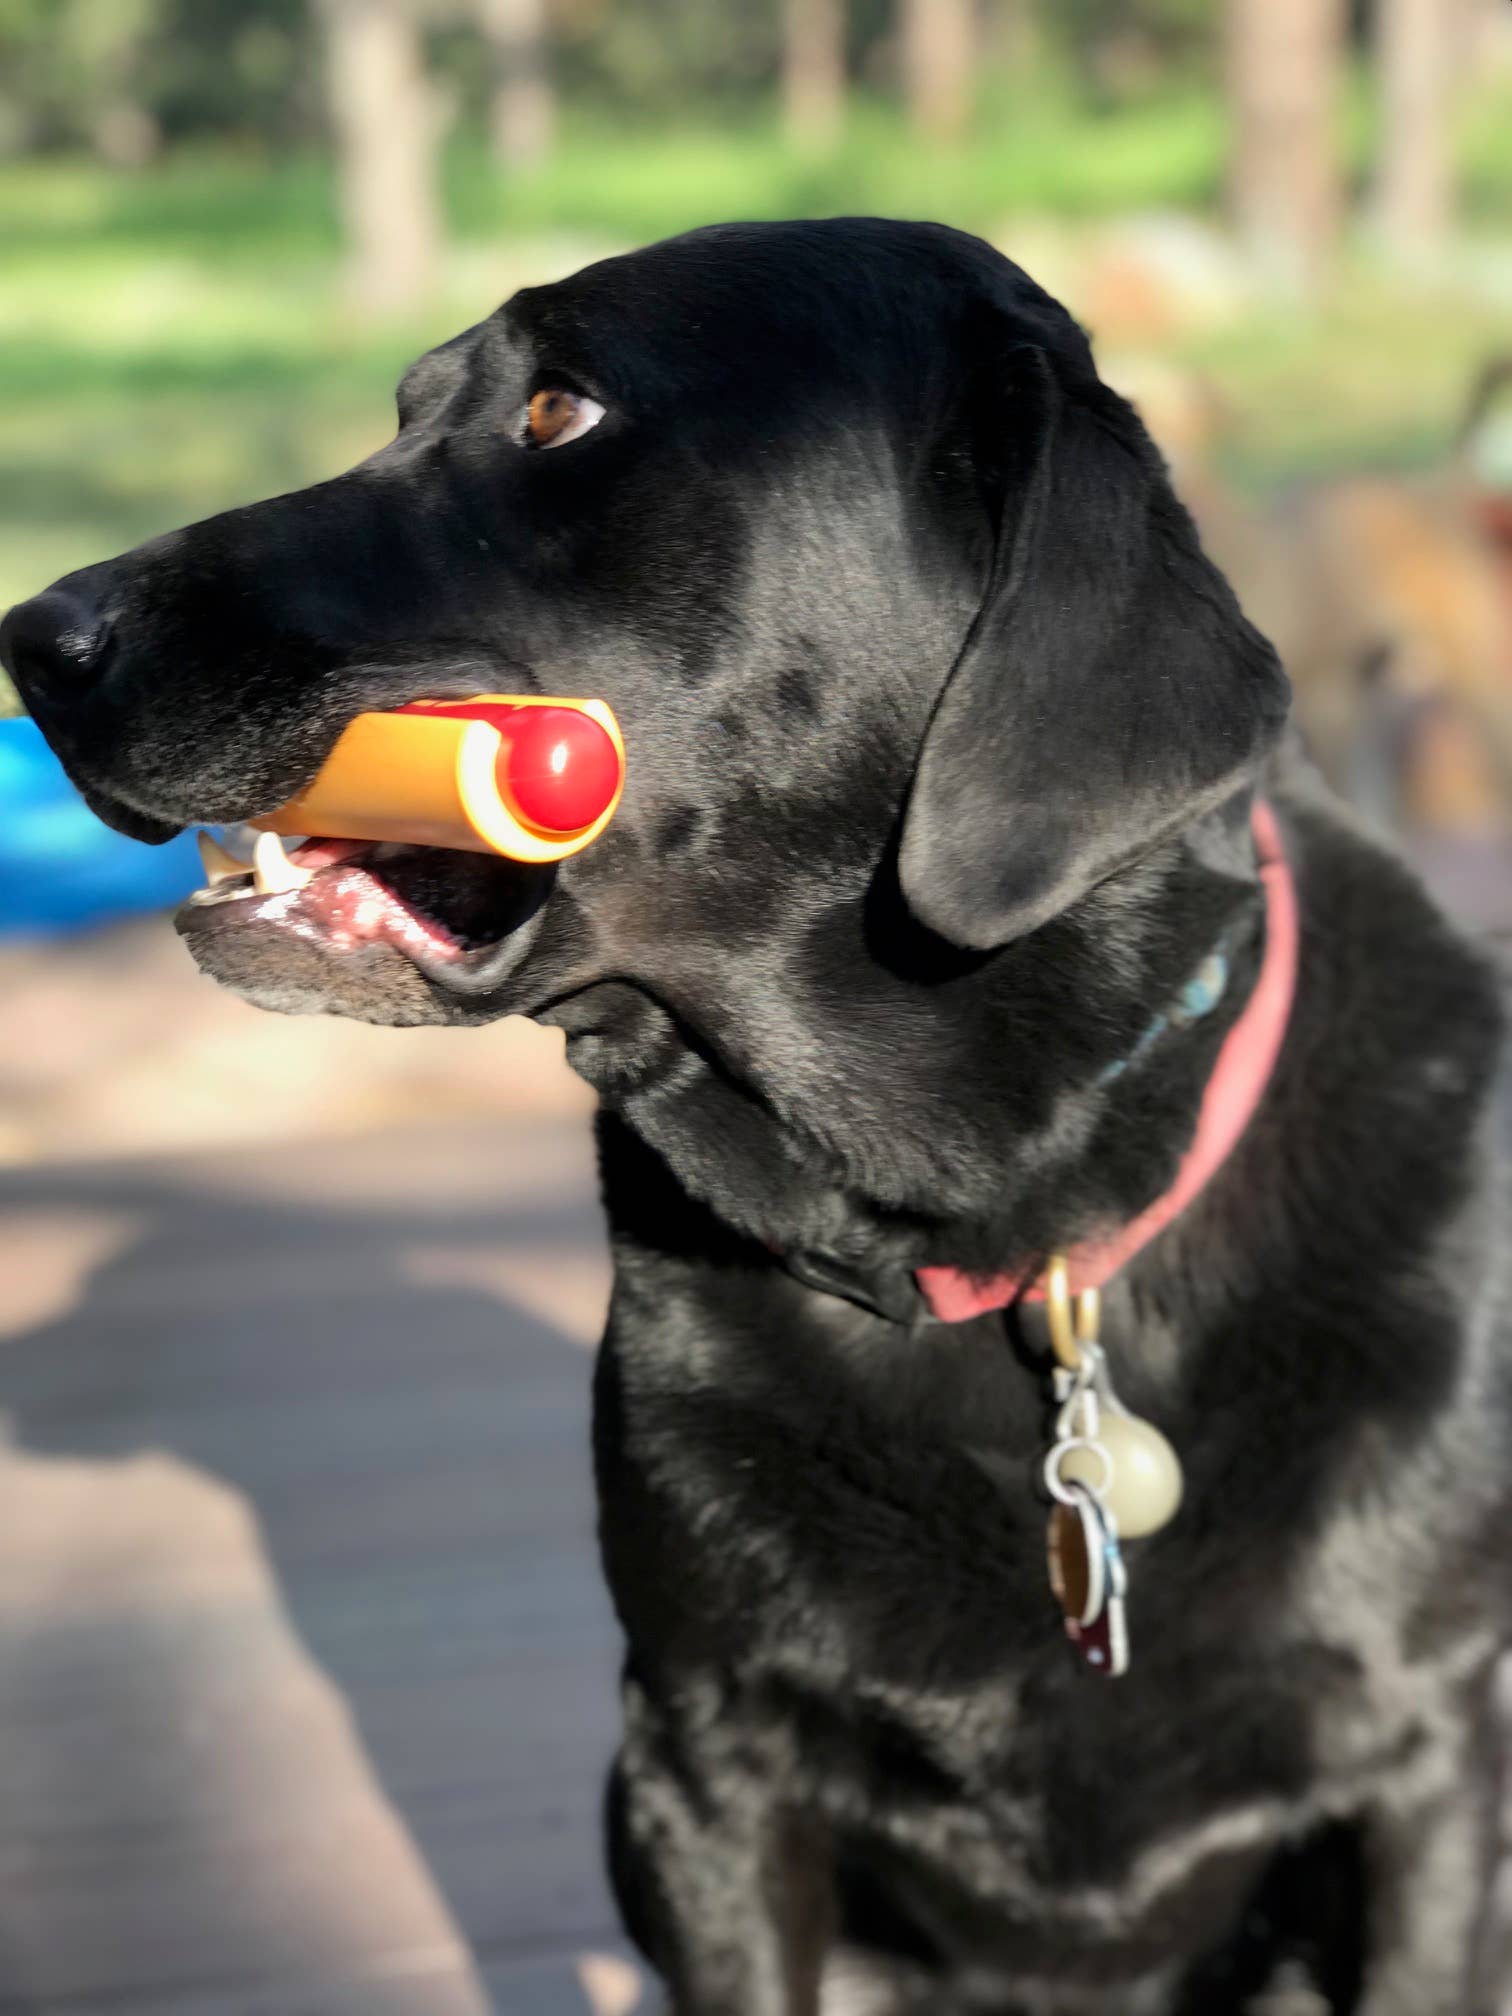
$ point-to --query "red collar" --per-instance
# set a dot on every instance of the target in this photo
(1239, 1079)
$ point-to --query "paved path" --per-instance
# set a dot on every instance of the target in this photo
(306, 1674)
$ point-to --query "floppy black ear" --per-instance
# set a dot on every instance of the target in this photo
(1110, 690)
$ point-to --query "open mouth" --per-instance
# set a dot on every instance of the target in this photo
(438, 906)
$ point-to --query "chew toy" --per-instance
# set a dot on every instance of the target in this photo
(533, 779)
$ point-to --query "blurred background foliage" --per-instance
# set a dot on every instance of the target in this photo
(202, 305)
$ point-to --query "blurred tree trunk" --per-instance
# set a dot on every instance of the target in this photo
(1418, 47)
(1488, 38)
(523, 115)
(1286, 176)
(813, 71)
(387, 128)
(939, 57)
(110, 37)
(125, 134)
(1010, 38)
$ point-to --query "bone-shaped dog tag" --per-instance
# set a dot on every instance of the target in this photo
(1088, 1577)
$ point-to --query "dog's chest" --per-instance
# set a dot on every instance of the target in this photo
(884, 1601)
(1039, 1809)
(1047, 1821)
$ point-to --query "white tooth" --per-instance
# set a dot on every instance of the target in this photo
(272, 870)
(223, 895)
(220, 865)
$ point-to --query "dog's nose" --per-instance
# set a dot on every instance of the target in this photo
(56, 643)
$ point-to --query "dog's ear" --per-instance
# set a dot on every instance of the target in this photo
(1110, 689)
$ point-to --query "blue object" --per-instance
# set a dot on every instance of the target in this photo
(60, 868)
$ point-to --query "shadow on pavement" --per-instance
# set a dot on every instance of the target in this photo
(269, 1430)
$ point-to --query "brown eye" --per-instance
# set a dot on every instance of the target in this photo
(555, 416)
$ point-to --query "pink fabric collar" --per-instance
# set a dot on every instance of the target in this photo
(1239, 1079)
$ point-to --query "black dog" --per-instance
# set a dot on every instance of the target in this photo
(943, 739)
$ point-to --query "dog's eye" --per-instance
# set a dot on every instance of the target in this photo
(556, 416)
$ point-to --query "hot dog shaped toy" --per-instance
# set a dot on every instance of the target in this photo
(533, 779)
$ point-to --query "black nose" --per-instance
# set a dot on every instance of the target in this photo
(55, 644)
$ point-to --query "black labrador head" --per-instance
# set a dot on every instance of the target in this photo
(914, 652)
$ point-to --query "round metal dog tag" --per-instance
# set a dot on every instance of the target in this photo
(1088, 1578)
(1078, 1565)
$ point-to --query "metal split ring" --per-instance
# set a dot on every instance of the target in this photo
(1070, 1327)
(1065, 1494)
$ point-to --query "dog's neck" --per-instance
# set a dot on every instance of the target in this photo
(1235, 1089)
(1083, 1092)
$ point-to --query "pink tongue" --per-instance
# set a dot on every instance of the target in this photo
(326, 853)
(348, 905)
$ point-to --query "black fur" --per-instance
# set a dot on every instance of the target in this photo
(942, 738)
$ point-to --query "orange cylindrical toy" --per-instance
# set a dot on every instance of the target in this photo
(532, 778)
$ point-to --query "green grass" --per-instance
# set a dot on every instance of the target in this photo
(1035, 158)
(1039, 154)
(1038, 151)
(177, 342)
(1376, 379)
